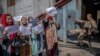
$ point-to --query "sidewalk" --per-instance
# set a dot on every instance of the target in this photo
(68, 49)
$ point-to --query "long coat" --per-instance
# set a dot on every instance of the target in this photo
(34, 43)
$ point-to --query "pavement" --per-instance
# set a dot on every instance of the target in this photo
(71, 49)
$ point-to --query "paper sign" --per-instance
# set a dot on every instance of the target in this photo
(17, 18)
(38, 28)
(51, 11)
(13, 28)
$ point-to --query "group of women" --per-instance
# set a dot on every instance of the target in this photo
(28, 37)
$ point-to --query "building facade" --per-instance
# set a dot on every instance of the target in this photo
(66, 16)
(25, 7)
(67, 11)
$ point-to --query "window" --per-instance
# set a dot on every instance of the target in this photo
(10, 2)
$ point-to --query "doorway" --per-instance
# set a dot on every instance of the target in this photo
(93, 7)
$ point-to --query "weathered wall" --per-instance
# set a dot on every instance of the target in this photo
(40, 5)
(24, 7)
(31, 7)
(72, 10)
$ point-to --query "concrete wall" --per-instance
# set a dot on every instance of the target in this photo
(24, 7)
(72, 9)
(31, 7)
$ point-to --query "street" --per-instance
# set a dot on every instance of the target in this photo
(68, 49)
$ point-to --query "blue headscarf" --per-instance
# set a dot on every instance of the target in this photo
(34, 22)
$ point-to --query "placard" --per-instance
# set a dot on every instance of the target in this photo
(38, 28)
(51, 11)
(17, 18)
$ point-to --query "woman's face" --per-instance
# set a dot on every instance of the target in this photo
(30, 19)
(9, 20)
(24, 21)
